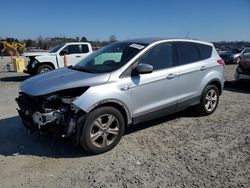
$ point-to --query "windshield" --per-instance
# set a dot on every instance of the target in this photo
(109, 58)
(56, 48)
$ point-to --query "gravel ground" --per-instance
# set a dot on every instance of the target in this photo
(180, 150)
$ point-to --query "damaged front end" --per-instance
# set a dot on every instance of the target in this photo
(52, 113)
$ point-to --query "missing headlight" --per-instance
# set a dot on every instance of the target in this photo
(73, 92)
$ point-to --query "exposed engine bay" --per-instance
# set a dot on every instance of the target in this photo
(52, 112)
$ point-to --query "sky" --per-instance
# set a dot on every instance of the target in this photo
(208, 20)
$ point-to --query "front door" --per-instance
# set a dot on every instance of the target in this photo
(73, 55)
(155, 93)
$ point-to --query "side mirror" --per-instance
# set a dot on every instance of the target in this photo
(63, 52)
(144, 68)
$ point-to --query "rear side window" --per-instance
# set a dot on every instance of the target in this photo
(160, 56)
(72, 49)
(188, 52)
(205, 51)
(85, 48)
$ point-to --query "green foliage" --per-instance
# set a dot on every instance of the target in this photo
(48, 43)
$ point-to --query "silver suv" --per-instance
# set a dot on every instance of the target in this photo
(122, 84)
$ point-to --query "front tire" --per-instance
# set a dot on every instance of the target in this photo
(102, 130)
(209, 100)
(43, 68)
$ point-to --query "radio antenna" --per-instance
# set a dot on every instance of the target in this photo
(187, 35)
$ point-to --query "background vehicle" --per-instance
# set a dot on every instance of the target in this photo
(46, 61)
(13, 45)
(234, 56)
(243, 70)
(122, 84)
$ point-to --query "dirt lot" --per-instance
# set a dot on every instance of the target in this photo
(180, 150)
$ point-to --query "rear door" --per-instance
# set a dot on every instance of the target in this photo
(85, 51)
(155, 93)
(193, 64)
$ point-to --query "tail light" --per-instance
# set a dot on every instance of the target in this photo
(221, 62)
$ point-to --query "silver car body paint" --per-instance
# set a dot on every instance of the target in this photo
(61, 79)
(137, 95)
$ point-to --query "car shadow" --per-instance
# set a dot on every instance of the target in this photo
(15, 78)
(238, 87)
(138, 127)
(16, 140)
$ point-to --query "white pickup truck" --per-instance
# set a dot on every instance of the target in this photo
(59, 56)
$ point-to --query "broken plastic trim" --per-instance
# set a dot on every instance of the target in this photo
(72, 92)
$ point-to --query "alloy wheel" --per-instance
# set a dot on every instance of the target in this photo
(211, 100)
(104, 130)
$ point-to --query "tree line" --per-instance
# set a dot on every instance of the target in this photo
(48, 43)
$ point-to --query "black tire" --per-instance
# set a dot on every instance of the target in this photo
(201, 108)
(88, 130)
(43, 68)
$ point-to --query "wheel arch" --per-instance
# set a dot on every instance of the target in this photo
(217, 83)
(113, 103)
(116, 104)
(45, 63)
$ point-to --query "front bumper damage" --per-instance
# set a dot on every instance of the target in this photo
(50, 114)
(31, 67)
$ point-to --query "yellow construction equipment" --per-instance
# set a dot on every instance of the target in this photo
(12, 45)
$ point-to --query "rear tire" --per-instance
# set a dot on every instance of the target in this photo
(209, 100)
(43, 68)
(102, 130)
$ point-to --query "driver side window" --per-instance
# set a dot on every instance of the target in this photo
(160, 56)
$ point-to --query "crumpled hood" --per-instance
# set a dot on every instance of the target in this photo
(60, 79)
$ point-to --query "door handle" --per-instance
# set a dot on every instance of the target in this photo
(125, 88)
(203, 68)
(78, 56)
(171, 76)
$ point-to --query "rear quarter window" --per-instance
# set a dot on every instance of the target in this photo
(188, 52)
(205, 51)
